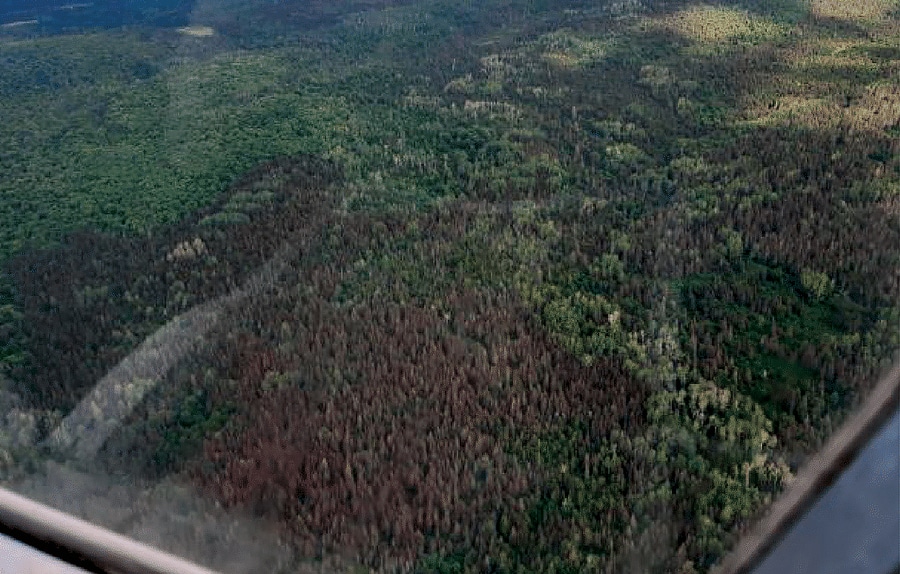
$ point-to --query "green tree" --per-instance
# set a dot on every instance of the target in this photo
(818, 284)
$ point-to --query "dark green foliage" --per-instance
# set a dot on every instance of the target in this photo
(758, 331)
(11, 341)
(436, 564)
(195, 419)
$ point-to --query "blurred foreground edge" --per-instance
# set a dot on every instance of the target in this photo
(97, 549)
(81, 543)
(815, 478)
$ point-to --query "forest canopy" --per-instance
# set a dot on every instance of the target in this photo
(507, 286)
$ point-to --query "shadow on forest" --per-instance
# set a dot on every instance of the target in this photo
(88, 302)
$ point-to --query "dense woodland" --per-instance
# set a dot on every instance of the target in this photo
(570, 286)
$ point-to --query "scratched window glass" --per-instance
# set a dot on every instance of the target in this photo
(441, 286)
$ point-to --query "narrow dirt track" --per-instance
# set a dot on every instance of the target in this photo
(86, 428)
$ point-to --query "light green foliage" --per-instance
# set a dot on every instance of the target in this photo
(727, 444)
(437, 564)
(734, 243)
(714, 29)
(816, 283)
(588, 324)
(610, 268)
(621, 157)
(566, 48)
(584, 324)
(742, 437)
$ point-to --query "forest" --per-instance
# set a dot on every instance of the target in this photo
(548, 286)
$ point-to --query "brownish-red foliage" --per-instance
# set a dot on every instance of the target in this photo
(74, 338)
(409, 454)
